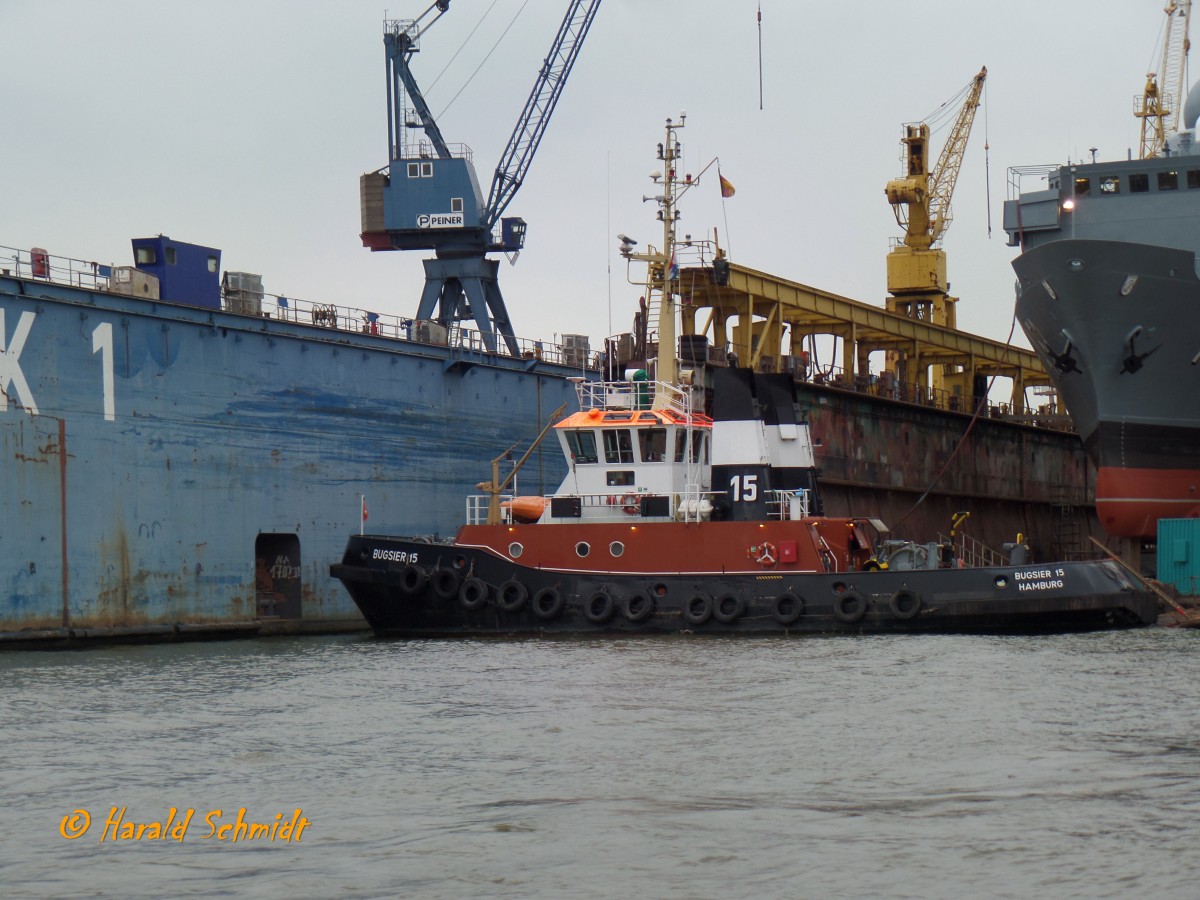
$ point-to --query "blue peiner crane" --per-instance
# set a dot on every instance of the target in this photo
(427, 197)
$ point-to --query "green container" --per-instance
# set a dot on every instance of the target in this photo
(1179, 554)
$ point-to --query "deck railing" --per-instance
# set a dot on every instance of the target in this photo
(280, 308)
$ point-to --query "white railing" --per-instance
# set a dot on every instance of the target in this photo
(280, 308)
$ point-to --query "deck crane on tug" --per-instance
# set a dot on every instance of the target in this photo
(428, 198)
(1159, 105)
(916, 266)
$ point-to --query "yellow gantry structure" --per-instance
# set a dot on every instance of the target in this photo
(773, 312)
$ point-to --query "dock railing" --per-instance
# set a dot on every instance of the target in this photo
(467, 342)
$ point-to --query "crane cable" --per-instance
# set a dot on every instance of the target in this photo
(987, 163)
(485, 59)
(450, 61)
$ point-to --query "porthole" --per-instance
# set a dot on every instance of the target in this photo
(515, 549)
(1001, 581)
(583, 548)
(616, 548)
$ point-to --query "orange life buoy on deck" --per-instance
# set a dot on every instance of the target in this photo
(629, 503)
(766, 554)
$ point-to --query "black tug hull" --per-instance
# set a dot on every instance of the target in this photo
(467, 591)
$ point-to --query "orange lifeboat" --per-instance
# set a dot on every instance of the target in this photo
(525, 510)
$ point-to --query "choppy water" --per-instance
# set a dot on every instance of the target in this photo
(851, 767)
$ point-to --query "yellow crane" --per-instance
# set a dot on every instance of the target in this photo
(916, 267)
(1158, 107)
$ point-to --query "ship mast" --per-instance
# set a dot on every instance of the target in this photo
(663, 267)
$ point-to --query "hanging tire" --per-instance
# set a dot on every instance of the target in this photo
(599, 607)
(413, 579)
(637, 607)
(473, 593)
(850, 607)
(905, 604)
(445, 583)
(788, 608)
(697, 609)
(728, 608)
(512, 595)
(548, 603)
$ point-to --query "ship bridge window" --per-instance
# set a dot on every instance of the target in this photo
(1083, 186)
(1168, 181)
(583, 446)
(456, 204)
(145, 256)
(693, 444)
(653, 443)
(414, 170)
(618, 446)
(170, 255)
(617, 478)
(212, 266)
(1139, 183)
(426, 170)
(1110, 184)
(1193, 179)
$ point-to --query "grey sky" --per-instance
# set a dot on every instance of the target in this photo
(245, 125)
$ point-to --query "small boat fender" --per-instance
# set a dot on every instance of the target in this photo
(445, 583)
(599, 607)
(850, 607)
(788, 608)
(473, 593)
(728, 608)
(512, 595)
(548, 603)
(638, 606)
(905, 604)
(413, 579)
(698, 609)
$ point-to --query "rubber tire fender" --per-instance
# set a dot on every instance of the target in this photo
(473, 594)
(849, 607)
(599, 607)
(728, 607)
(445, 583)
(413, 579)
(512, 595)
(637, 607)
(789, 606)
(905, 604)
(697, 609)
(548, 603)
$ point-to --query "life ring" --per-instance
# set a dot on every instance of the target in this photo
(637, 607)
(767, 554)
(413, 579)
(599, 607)
(473, 593)
(905, 604)
(697, 609)
(788, 608)
(548, 603)
(630, 504)
(445, 583)
(849, 607)
(512, 595)
(728, 607)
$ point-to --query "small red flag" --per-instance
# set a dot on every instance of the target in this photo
(727, 189)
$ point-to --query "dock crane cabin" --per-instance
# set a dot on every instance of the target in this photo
(428, 196)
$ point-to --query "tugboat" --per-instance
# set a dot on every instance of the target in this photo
(692, 504)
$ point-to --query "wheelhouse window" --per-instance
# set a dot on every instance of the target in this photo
(1168, 181)
(145, 256)
(582, 445)
(1139, 183)
(1083, 187)
(414, 170)
(1193, 179)
(618, 446)
(691, 444)
(653, 443)
(169, 252)
(212, 265)
(1110, 184)
(618, 478)
(456, 204)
